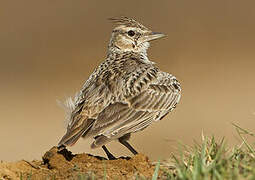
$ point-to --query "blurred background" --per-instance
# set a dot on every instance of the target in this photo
(49, 48)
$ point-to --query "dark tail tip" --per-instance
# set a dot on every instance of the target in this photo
(61, 147)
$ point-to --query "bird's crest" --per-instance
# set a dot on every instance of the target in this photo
(129, 22)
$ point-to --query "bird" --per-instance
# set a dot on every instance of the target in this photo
(125, 94)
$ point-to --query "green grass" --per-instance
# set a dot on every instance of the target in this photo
(155, 174)
(212, 160)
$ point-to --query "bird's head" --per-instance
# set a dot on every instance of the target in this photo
(129, 35)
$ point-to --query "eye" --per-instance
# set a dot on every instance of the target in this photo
(131, 33)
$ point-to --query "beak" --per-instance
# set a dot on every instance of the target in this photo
(152, 36)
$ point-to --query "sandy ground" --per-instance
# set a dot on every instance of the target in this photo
(65, 165)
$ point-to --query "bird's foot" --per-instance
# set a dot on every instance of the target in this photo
(111, 157)
(67, 154)
(124, 157)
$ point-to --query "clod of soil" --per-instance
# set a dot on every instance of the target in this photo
(65, 165)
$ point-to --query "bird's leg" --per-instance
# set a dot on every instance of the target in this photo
(123, 140)
(125, 143)
(107, 152)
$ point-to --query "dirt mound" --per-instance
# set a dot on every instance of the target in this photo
(65, 165)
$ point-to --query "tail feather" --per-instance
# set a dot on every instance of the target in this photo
(74, 133)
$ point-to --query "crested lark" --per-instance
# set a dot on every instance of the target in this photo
(125, 94)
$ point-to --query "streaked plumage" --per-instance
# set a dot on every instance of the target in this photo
(125, 94)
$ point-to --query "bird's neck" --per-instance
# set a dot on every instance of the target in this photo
(114, 51)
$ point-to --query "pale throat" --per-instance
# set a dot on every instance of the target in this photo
(121, 44)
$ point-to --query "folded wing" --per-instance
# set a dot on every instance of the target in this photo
(155, 99)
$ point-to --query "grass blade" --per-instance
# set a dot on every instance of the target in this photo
(155, 174)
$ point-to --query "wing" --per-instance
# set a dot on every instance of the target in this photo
(160, 95)
(149, 97)
(91, 100)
